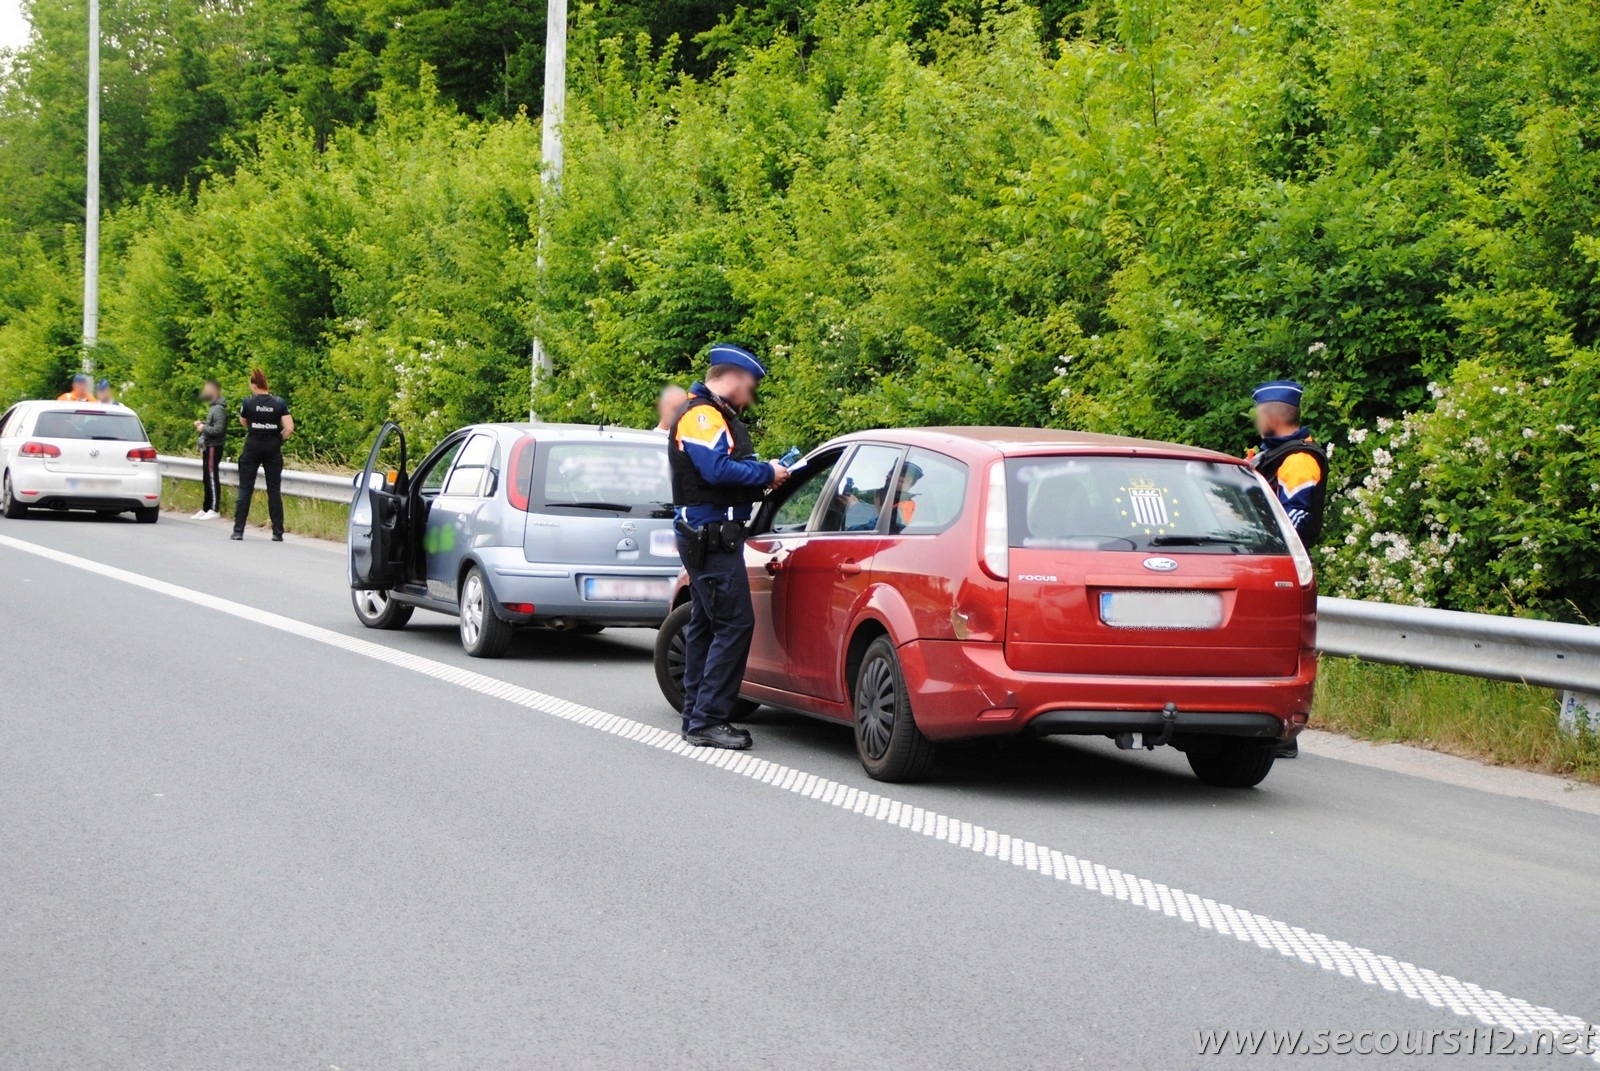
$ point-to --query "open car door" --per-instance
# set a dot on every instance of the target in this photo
(379, 525)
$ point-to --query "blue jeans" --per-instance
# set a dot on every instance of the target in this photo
(716, 640)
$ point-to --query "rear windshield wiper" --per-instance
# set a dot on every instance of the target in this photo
(618, 506)
(1193, 541)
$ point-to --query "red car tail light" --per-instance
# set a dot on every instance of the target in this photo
(996, 555)
(521, 470)
(36, 449)
(142, 453)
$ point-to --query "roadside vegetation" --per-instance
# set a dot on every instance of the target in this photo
(302, 516)
(1506, 724)
(1115, 215)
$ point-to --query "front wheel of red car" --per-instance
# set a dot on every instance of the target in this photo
(888, 741)
(1232, 763)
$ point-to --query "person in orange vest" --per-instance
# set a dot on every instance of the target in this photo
(1294, 466)
(905, 502)
(82, 390)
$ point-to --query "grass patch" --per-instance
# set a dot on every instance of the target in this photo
(303, 516)
(1507, 724)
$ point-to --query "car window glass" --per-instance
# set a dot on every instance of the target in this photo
(467, 478)
(8, 421)
(859, 495)
(799, 496)
(432, 479)
(1139, 504)
(929, 492)
(71, 424)
(621, 477)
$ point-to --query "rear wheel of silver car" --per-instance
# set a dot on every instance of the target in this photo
(376, 609)
(1229, 762)
(483, 633)
(888, 741)
(8, 501)
(670, 659)
(147, 516)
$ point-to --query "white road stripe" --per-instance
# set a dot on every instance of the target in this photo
(1487, 1006)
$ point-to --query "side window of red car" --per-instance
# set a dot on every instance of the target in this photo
(798, 498)
(858, 498)
(929, 493)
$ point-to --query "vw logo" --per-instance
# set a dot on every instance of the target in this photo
(1160, 565)
(628, 528)
(94, 453)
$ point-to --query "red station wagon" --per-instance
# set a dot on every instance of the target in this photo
(938, 584)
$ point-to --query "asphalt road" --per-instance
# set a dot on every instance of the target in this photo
(234, 834)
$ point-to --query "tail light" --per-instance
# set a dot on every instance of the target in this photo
(996, 528)
(142, 453)
(1304, 571)
(36, 449)
(520, 480)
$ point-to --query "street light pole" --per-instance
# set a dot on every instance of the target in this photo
(555, 108)
(91, 228)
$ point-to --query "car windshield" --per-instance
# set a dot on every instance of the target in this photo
(1139, 504)
(74, 424)
(600, 477)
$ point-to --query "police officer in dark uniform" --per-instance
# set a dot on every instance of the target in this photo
(715, 478)
(1295, 466)
(268, 425)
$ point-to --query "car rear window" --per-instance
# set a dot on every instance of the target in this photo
(65, 424)
(1139, 504)
(597, 478)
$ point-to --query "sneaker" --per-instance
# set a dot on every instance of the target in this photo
(202, 515)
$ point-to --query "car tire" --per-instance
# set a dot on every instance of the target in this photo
(669, 664)
(375, 609)
(147, 516)
(8, 502)
(890, 745)
(483, 633)
(1232, 763)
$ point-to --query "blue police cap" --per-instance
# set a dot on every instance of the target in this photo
(104, 384)
(1286, 391)
(723, 353)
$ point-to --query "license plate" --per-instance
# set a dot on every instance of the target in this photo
(92, 486)
(626, 589)
(1161, 609)
(663, 544)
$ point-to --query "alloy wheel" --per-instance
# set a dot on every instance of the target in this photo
(875, 708)
(472, 608)
(677, 657)
(373, 603)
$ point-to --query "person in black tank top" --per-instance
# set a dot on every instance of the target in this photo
(267, 423)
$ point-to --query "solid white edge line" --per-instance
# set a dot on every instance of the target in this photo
(1489, 1007)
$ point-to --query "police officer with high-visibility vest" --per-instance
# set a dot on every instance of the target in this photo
(716, 477)
(1294, 465)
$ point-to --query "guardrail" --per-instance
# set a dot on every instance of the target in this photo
(322, 486)
(1546, 653)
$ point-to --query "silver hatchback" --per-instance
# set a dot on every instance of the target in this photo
(565, 526)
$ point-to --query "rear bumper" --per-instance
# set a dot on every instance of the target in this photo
(556, 591)
(963, 690)
(35, 485)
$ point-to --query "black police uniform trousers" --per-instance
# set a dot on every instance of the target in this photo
(267, 455)
(716, 640)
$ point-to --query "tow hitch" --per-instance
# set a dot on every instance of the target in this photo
(1130, 741)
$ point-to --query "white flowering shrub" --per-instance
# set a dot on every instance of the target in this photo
(1489, 501)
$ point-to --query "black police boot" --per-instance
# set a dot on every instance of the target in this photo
(236, 535)
(277, 537)
(1289, 749)
(720, 735)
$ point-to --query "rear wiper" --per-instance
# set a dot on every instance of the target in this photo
(596, 505)
(1193, 541)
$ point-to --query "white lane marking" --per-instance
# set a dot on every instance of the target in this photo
(1487, 1006)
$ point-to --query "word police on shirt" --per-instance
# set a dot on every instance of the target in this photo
(264, 414)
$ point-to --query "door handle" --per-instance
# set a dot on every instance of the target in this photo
(774, 566)
(849, 568)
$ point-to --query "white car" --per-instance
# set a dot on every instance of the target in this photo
(77, 455)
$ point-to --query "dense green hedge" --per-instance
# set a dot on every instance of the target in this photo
(1116, 216)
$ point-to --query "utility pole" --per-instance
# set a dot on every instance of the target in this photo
(555, 108)
(91, 227)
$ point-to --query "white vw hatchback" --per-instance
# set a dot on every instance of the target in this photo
(77, 455)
